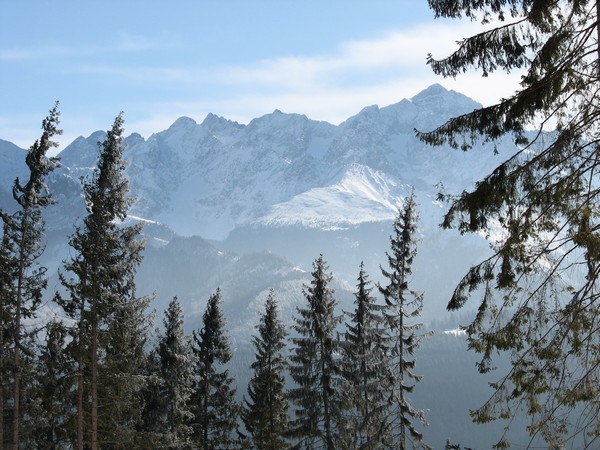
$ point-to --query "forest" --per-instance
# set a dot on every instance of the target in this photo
(93, 380)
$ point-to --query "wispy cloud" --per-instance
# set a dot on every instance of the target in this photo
(324, 86)
(122, 43)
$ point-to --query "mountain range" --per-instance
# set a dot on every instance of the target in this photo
(248, 207)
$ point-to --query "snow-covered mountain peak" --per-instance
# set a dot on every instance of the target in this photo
(358, 194)
(82, 152)
(436, 104)
(214, 122)
(184, 123)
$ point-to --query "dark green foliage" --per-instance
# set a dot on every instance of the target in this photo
(365, 372)
(266, 411)
(110, 324)
(53, 391)
(539, 290)
(214, 405)
(23, 279)
(403, 306)
(175, 385)
(314, 367)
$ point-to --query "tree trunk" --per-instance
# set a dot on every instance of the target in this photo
(2, 372)
(80, 379)
(17, 343)
(94, 368)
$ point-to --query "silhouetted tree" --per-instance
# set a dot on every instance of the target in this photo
(110, 323)
(314, 367)
(539, 291)
(403, 306)
(214, 405)
(266, 410)
(25, 280)
(176, 383)
(365, 371)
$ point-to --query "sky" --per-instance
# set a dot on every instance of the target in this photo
(239, 59)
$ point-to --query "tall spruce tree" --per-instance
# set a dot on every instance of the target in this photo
(539, 298)
(403, 306)
(314, 366)
(266, 410)
(175, 375)
(110, 325)
(23, 234)
(365, 371)
(214, 406)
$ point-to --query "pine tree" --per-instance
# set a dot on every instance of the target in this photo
(403, 306)
(314, 367)
(23, 232)
(364, 371)
(266, 412)
(175, 374)
(111, 327)
(540, 294)
(215, 409)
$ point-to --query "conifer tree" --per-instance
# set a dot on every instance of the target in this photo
(314, 367)
(175, 374)
(365, 371)
(538, 292)
(111, 326)
(214, 405)
(403, 306)
(150, 429)
(266, 411)
(23, 236)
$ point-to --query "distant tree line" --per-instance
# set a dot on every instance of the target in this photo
(92, 379)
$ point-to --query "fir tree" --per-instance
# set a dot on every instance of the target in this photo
(403, 306)
(266, 412)
(111, 326)
(314, 367)
(540, 295)
(150, 429)
(364, 371)
(22, 246)
(214, 404)
(175, 374)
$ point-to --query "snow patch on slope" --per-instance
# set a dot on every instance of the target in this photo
(360, 195)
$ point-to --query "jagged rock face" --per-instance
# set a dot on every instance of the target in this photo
(255, 187)
(208, 179)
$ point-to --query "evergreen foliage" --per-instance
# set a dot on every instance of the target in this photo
(23, 278)
(403, 306)
(53, 393)
(214, 405)
(110, 323)
(364, 371)
(314, 367)
(539, 294)
(266, 411)
(175, 374)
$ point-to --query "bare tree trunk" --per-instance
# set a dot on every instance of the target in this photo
(80, 379)
(94, 368)
(2, 373)
(17, 339)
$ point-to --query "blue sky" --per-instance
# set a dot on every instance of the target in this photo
(240, 59)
